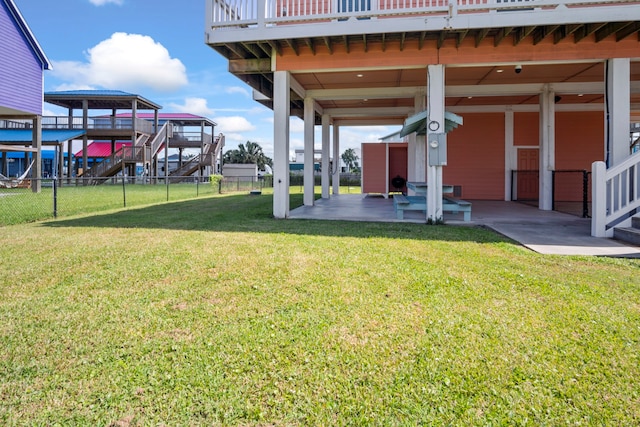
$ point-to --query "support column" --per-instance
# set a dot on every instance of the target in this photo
(509, 152)
(309, 147)
(435, 127)
(85, 126)
(419, 160)
(337, 158)
(326, 161)
(617, 110)
(547, 148)
(36, 170)
(281, 112)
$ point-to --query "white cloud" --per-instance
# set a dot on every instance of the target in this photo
(233, 124)
(125, 61)
(194, 106)
(231, 90)
(103, 2)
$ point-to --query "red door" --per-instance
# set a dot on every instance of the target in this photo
(528, 164)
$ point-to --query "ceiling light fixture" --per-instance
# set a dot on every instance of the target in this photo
(499, 70)
(359, 75)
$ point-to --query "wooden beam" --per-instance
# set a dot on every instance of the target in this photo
(384, 42)
(266, 49)
(327, 43)
(423, 34)
(249, 66)
(292, 45)
(345, 39)
(521, 34)
(481, 35)
(403, 37)
(310, 44)
(252, 49)
(504, 32)
(4, 147)
(275, 46)
(461, 36)
(441, 38)
(586, 30)
(543, 32)
(364, 40)
(609, 29)
(625, 32)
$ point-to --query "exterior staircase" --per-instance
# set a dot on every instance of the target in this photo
(629, 235)
(207, 158)
(144, 149)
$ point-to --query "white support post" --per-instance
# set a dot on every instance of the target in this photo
(335, 180)
(509, 152)
(598, 196)
(326, 162)
(36, 169)
(547, 149)
(617, 110)
(281, 113)
(309, 148)
(417, 151)
(435, 124)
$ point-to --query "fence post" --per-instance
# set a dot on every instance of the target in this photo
(598, 199)
(585, 194)
(124, 191)
(55, 197)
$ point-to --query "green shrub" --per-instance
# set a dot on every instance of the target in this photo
(215, 181)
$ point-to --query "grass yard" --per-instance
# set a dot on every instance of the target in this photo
(210, 312)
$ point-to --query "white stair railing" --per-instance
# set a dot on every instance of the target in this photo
(615, 195)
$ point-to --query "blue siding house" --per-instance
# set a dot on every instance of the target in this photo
(21, 79)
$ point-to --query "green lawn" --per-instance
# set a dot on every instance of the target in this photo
(210, 312)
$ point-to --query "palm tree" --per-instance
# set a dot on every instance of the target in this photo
(249, 153)
(350, 158)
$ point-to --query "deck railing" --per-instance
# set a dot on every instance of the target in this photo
(264, 13)
(100, 122)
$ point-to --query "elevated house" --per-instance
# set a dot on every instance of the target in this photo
(537, 85)
(136, 133)
(21, 85)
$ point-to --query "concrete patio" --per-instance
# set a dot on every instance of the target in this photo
(546, 232)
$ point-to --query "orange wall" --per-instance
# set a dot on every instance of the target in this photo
(475, 156)
(579, 143)
(526, 129)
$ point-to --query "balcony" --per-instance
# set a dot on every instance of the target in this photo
(99, 124)
(421, 15)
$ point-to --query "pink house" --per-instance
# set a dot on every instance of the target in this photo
(542, 86)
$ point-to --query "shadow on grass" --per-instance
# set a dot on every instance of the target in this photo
(247, 213)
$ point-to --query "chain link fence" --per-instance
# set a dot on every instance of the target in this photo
(73, 196)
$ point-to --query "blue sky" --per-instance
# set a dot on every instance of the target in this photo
(155, 48)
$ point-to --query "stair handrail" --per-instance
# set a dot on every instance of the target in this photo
(124, 153)
(160, 138)
(615, 194)
(188, 165)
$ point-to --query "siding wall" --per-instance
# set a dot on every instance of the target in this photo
(475, 156)
(20, 70)
(579, 142)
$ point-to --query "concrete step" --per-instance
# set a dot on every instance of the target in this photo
(629, 235)
(635, 222)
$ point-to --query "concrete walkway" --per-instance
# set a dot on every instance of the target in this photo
(546, 232)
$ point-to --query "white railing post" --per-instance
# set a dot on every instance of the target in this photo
(598, 199)
(261, 12)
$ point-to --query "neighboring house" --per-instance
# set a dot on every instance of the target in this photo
(540, 85)
(135, 139)
(21, 82)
